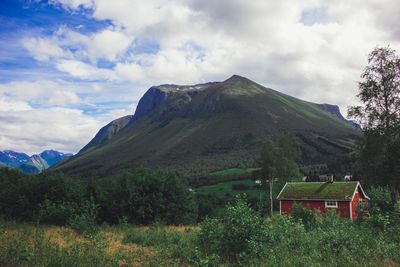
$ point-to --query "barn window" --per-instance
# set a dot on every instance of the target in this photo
(331, 204)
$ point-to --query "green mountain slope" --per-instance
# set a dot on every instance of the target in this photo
(202, 128)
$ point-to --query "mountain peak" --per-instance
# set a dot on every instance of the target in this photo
(236, 78)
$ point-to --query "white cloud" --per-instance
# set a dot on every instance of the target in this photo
(32, 131)
(8, 104)
(43, 49)
(73, 4)
(118, 113)
(132, 14)
(63, 98)
(130, 71)
(98, 87)
(108, 45)
(42, 92)
(84, 71)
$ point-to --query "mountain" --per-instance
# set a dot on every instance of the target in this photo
(12, 159)
(196, 129)
(51, 156)
(33, 164)
(334, 109)
(108, 131)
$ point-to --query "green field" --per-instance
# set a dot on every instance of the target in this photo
(222, 189)
(234, 171)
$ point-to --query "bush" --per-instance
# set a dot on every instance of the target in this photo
(382, 214)
(209, 238)
(55, 213)
(85, 222)
(304, 215)
(240, 233)
(379, 200)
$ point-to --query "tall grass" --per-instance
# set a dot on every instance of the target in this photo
(25, 244)
(227, 241)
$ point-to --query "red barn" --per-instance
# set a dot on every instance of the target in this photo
(341, 196)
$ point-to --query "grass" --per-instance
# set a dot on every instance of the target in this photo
(222, 189)
(24, 244)
(284, 243)
(337, 190)
(233, 171)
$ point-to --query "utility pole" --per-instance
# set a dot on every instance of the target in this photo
(271, 183)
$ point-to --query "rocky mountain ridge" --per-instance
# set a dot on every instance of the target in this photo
(335, 110)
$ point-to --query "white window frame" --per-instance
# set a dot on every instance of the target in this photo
(331, 204)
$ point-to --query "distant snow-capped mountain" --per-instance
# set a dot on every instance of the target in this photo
(13, 159)
(34, 164)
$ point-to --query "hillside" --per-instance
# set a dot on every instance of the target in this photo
(208, 127)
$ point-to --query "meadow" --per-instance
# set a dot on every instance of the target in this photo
(234, 171)
(27, 244)
(241, 237)
(232, 188)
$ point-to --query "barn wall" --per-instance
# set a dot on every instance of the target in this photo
(358, 196)
(343, 207)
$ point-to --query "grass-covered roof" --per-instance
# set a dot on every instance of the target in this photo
(323, 190)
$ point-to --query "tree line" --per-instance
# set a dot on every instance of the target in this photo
(139, 196)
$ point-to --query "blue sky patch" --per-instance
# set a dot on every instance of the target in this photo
(313, 16)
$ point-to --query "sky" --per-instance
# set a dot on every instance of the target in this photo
(69, 67)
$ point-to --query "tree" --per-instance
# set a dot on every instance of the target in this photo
(146, 196)
(278, 160)
(377, 153)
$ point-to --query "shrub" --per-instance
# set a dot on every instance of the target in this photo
(55, 213)
(379, 200)
(209, 238)
(85, 222)
(240, 233)
(145, 196)
(304, 215)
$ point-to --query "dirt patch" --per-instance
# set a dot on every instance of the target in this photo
(182, 228)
